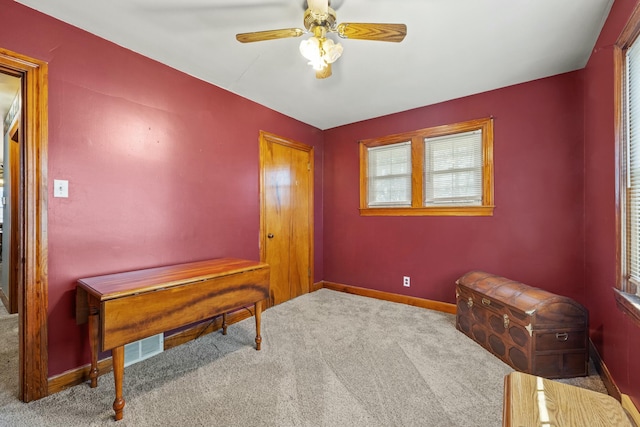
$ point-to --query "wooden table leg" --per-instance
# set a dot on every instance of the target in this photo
(117, 355)
(93, 343)
(258, 309)
(224, 324)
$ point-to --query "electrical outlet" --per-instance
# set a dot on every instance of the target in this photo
(406, 281)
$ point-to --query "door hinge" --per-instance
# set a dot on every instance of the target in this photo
(308, 166)
(309, 272)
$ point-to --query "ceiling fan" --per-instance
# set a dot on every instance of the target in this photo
(319, 20)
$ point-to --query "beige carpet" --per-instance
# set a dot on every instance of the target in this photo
(328, 359)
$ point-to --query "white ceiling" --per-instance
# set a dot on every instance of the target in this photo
(453, 48)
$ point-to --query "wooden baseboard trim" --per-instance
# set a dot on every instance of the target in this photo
(316, 286)
(76, 376)
(80, 375)
(612, 388)
(388, 296)
(605, 375)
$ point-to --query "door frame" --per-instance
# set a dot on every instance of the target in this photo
(33, 280)
(266, 137)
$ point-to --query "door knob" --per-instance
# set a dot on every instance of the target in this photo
(270, 236)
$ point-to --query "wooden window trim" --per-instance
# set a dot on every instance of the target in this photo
(417, 164)
(628, 304)
(625, 295)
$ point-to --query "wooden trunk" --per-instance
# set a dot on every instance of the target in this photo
(532, 330)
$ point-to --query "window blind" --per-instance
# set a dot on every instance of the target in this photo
(453, 169)
(389, 175)
(632, 164)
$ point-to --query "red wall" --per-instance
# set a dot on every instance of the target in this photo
(554, 224)
(615, 336)
(162, 167)
(536, 234)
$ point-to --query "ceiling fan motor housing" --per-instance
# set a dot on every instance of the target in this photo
(324, 20)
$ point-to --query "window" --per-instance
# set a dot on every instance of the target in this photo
(390, 175)
(444, 170)
(627, 93)
(631, 170)
(453, 169)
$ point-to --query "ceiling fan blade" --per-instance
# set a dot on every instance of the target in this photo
(379, 32)
(324, 73)
(269, 35)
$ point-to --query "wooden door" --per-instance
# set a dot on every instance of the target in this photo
(286, 218)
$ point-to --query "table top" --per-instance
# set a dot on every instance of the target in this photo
(117, 285)
(532, 401)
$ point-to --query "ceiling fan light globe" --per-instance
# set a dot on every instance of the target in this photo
(332, 51)
(310, 48)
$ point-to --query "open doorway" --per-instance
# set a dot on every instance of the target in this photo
(31, 256)
(10, 107)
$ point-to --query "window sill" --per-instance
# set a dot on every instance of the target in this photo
(629, 304)
(439, 211)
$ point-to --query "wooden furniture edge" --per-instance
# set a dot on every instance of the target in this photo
(95, 286)
(388, 296)
(80, 375)
(630, 409)
(506, 402)
(571, 405)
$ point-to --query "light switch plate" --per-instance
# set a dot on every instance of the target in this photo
(60, 188)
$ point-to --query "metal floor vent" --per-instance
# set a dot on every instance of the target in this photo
(145, 348)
